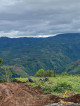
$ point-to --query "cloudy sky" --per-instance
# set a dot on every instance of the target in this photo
(39, 18)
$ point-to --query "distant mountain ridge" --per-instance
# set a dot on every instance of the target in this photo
(73, 68)
(36, 53)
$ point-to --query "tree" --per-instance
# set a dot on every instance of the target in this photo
(49, 73)
(54, 71)
(8, 74)
(40, 73)
(64, 74)
(1, 60)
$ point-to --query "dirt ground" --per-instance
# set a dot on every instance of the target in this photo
(21, 94)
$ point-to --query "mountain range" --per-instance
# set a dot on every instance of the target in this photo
(32, 54)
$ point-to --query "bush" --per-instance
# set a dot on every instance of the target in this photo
(49, 73)
(40, 73)
(64, 74)
(2, 81)
(1, 60)
(47, 89)
(62, 87)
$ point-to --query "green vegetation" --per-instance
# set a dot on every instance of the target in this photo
(64, 74)
(2, 80)
(32, 54)
(72, 69)
(0, 60)
(42, 73)
(9, 72)
(50, 73)
(57, 85)
(62, 87)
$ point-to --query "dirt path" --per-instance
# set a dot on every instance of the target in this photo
(20, 94)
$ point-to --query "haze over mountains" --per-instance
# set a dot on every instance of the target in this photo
(31, 54)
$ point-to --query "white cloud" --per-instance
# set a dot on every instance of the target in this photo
(17, 34)
(39, 17)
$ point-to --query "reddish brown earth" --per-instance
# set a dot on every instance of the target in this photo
(20, 94)
(74, 98)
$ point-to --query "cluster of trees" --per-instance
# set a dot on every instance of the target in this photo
(7, 76)
(48, 73)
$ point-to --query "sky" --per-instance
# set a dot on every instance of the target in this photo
(39, 18)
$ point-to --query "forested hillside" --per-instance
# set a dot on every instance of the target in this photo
(73, 68)
(34, 53)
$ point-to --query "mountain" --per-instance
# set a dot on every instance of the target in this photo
(73, 68)
(35, 53)
(13, 71)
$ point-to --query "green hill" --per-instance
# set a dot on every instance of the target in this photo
(73, 68)
(14, 71)
(35, 53)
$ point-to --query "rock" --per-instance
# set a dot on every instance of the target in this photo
(59, 104)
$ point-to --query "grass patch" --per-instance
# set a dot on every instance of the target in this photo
(57, 85)
(62, 87)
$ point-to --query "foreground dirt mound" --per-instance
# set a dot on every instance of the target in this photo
(21, 94)
(74, 98)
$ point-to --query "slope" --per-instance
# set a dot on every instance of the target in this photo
(36, 53)
(73, 68)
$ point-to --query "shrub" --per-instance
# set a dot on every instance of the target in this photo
(47, 89)
(49, 73)
(64, 74)
(40, 73)
(1, 60)
(62, 87)
(2, 80)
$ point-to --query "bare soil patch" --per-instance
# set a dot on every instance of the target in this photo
(21, 94)
(74, 98)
